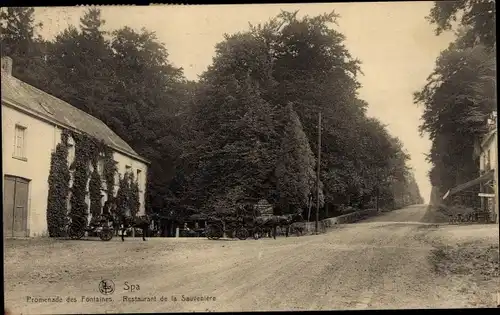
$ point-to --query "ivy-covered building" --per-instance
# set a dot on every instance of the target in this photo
(59, 161)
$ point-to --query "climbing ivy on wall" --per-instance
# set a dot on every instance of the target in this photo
(122, 193)
(84, 150)
(88, 152)
(128, 194)
(59, 177)
(109, 171)
(134, 195)
(95, 190)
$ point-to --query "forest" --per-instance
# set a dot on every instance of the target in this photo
(248, 128)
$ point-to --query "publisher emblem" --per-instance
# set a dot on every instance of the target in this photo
(106, 287)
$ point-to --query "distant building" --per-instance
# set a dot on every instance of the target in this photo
(487, 151)
(488, 164)
(32, 122)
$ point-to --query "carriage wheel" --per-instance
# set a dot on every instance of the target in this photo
(76, 231)
(257, 233)
(208, 232)
(242, 233)
(106, 234)
(214, 232)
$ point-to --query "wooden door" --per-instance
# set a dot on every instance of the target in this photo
(20, 228)
(9, 188)
(15, 207)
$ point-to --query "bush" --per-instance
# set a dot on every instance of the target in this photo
(58, 181)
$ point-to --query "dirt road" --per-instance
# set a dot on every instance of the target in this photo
(380, 263)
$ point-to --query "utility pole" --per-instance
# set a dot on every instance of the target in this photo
(317, 174)
(309, 205)
(377, 186)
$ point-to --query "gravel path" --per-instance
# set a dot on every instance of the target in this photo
(383, 262)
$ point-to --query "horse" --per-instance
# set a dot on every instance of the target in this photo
(298, 228)
(285, 221)
(141, 222)
(274, 221)
(121, 218)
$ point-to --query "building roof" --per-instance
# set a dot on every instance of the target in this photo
(488, 137)
(481, 179)
(56, 110)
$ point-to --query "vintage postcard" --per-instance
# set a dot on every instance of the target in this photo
(259, 157)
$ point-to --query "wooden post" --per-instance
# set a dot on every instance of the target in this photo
(309, 205)
(177, 232)
(377, 189)
(317, 174)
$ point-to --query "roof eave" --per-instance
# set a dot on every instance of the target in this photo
(481, 179)
(488, 137)
(18, 106)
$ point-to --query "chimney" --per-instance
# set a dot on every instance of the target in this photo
(7, 65)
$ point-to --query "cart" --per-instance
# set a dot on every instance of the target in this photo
(216, 228)
(76, 228)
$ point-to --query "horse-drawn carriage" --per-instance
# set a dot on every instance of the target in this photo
(77, 226)
(235, 226)
(248, 222)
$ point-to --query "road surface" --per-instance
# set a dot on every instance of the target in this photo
(380, 263)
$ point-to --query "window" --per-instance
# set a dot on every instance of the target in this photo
(128, 169)
(139, 179)
(488, 161)
(100, 167)
(20, 142)
(71, 151)
(117, 179)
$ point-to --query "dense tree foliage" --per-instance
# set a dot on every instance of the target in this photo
(247, 129)
(295, 169)
(460, 93)
(123, 78)
(478, 16)
(305, 63)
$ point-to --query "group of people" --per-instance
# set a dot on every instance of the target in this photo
(191, 232)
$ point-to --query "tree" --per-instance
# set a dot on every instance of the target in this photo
(82, 61)
(457, 100)
(123, 194)
(134, 195)
(17, 33)
(295, 171)
(149, 94)
(460, 93)
(413, 191)
(261, 71)
(123, 78)
(241, 143)
(477, 16)
(58, 181)
(231, 135)
(95, 191)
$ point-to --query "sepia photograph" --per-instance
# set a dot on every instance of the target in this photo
(249, 157)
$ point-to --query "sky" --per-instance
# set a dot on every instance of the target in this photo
(396, 45)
